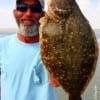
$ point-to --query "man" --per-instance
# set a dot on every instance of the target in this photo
(23, 75)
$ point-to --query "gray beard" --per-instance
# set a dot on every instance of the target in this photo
(29, 30)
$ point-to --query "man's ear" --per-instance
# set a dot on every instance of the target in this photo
(15, 13)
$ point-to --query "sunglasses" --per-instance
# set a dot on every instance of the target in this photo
(33, 7)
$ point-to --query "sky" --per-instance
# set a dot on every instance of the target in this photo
(90, 9)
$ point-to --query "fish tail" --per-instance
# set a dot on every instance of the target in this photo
(75, 97)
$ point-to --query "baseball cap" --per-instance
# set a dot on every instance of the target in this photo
(40, 1)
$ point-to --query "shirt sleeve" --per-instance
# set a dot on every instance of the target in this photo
(0, 55)
(0, 67)
(0, 58)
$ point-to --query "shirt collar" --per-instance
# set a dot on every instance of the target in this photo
(27, 39)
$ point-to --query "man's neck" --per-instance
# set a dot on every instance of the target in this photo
(27, 39)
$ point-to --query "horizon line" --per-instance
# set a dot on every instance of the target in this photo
(16, 29)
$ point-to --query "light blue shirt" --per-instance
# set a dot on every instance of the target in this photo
(23, 76)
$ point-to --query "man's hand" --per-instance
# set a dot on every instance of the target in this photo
(53, 81)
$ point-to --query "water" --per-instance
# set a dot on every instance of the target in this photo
(92, 92)
(2, 34)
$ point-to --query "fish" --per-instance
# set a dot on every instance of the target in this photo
(68, 46)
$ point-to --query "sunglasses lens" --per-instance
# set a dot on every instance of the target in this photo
(22, 7)
(33, 8)
(36, 8)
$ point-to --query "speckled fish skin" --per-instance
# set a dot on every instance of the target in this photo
(68, 46)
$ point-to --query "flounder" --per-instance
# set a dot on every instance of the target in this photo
(68, 46)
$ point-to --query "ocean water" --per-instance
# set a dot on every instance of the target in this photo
(92, 92)
(2, 34)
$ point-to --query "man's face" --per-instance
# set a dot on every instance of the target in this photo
(27, 18)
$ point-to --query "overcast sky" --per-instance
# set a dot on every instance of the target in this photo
(90, 8)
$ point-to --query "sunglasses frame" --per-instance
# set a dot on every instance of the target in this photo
(34, 7)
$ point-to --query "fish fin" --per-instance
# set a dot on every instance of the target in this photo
(74, 97)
